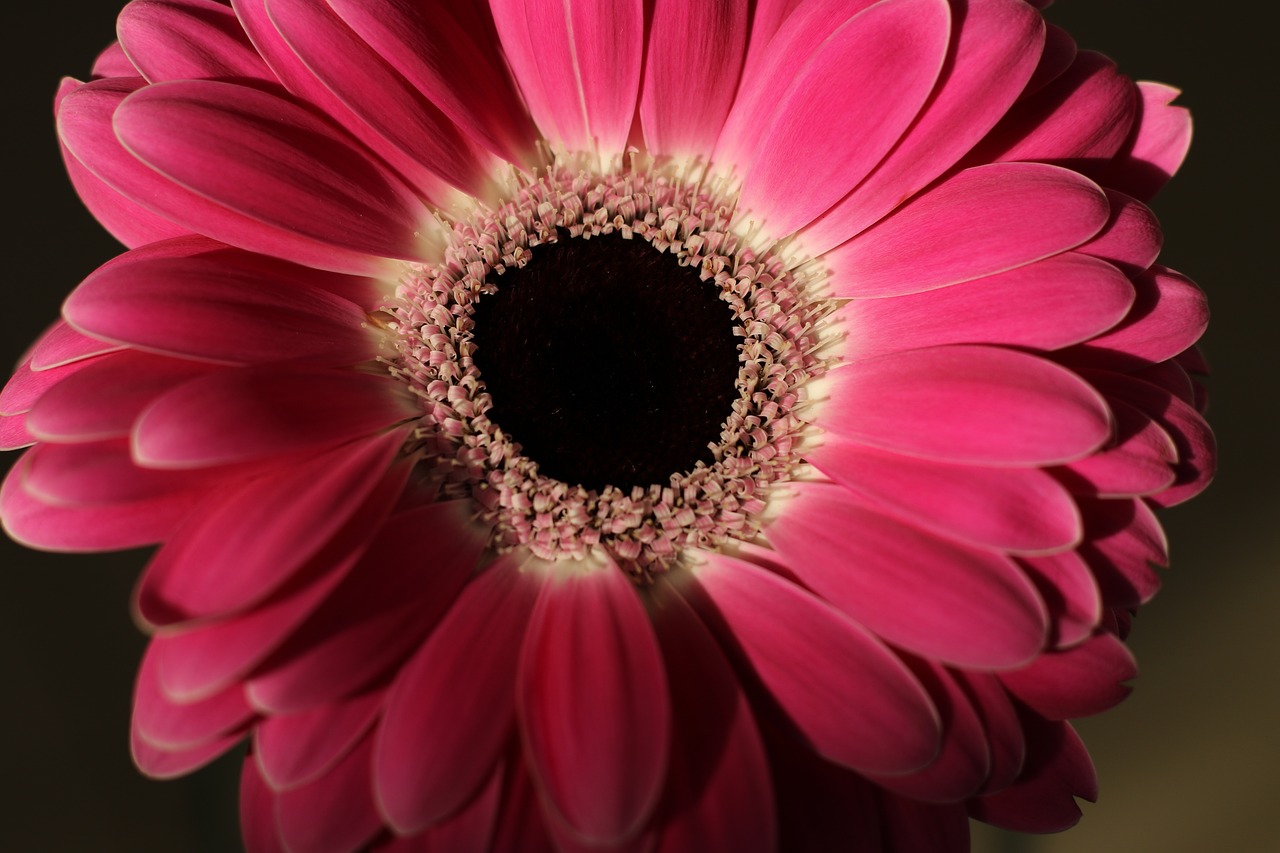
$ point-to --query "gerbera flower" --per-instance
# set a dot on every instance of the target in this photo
(677, 426)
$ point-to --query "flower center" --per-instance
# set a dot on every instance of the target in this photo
(608, 362)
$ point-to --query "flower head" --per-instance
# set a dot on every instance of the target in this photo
(624, 426)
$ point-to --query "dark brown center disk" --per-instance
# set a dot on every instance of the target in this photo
(607, 361)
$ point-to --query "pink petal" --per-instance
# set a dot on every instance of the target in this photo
(1069, 590)
(1059, 55)
(297, 749)
(380, 614)
(1013, 509)
(253, 537)
(230, 307)
(357, 75)
(1056, 302)
(1124, 539)
(62, 344)
(253, 413)
(1081, 118)
(1132, 237)
(187, 40)
(102, 400)
(1171, 376)
(1031, 412)
(13, 432)
(931, 596)
(1156, 147)
(578, 65)
(114, 527)
(691, 74)
(1001, 722)
(450, 710)
(718, 794)
(1058, 769)
(85, 126)
(912, 826)
(469, 830)
(994, 48)
(113, 62)
(335, 813)
(976, 223)
(160, 721)
(593, 703)
(258, 812)
(850, 696)
(438, 55)
(165, 763)
(1171, 313)
(1139, 459)
(768, 18)
(1084, 680)
(28, 386)
(843, 110)
(100, 473)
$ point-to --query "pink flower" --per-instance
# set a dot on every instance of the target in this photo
(620, 426)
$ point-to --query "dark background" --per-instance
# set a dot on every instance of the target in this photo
(1190, 763)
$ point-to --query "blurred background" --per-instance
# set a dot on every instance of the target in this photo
(1190, 763)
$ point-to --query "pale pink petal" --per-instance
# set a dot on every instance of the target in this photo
(113, 62)
(1132, 237)
(335, 813)
(1000, 720)
(13, 432)
(911, 826)
(1124, 541)
(1012, 509)
(1139, 459)
(1054, 303)
(355, 73)
(452, 706)
(718, 794)
(469, 830)
(920, 403)
(62, 344)
(1058, 769)
(1080, 119)
(844, 109)
(438, 54)
(1087, 679)
(592, 696)
(170, 763)
(391, 600)
(578, 64)
(103, 399)
(931, 596)
(1155, 149)
(100, 473)
(691, 74)
(85, 127)
(296, 749)
(272, 162)
(219, 564)
(230, 307)
(995, 45)
(114, 527)
(258, 812)
(1170, 314)
(979, 222)
(964, 761)
(167, 724)
(250, 413)
(187, 40)
(855, 702)
(1069, 590)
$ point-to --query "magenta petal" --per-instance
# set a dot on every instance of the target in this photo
(592, 697)
(1069, 590)
(1058, 769)
(995, 45)
(296, 749)
(100, 473)
(229, 307)
(232, 144)
(469, 830)
(1033, 412)
(187, 40)
(113, 62)
(1054, 303)
(250, 413)
(850, 696)
(1124, 540)
(166, 763)
(1157, 146)
(521, 824)
(931, 596)
(335, 813)
(26, 386)
(691, 74)
(13, 432)
(1139, 459)
(844, 108)
(1084, 680)
(258, 812)
(1000, 720)
(220, 563)
(451, 708)
(1131, 238)
(62, 344)
(1013, 509)
(978, 222)
(167, 724)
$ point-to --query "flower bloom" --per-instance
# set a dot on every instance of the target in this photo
(627, 426)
